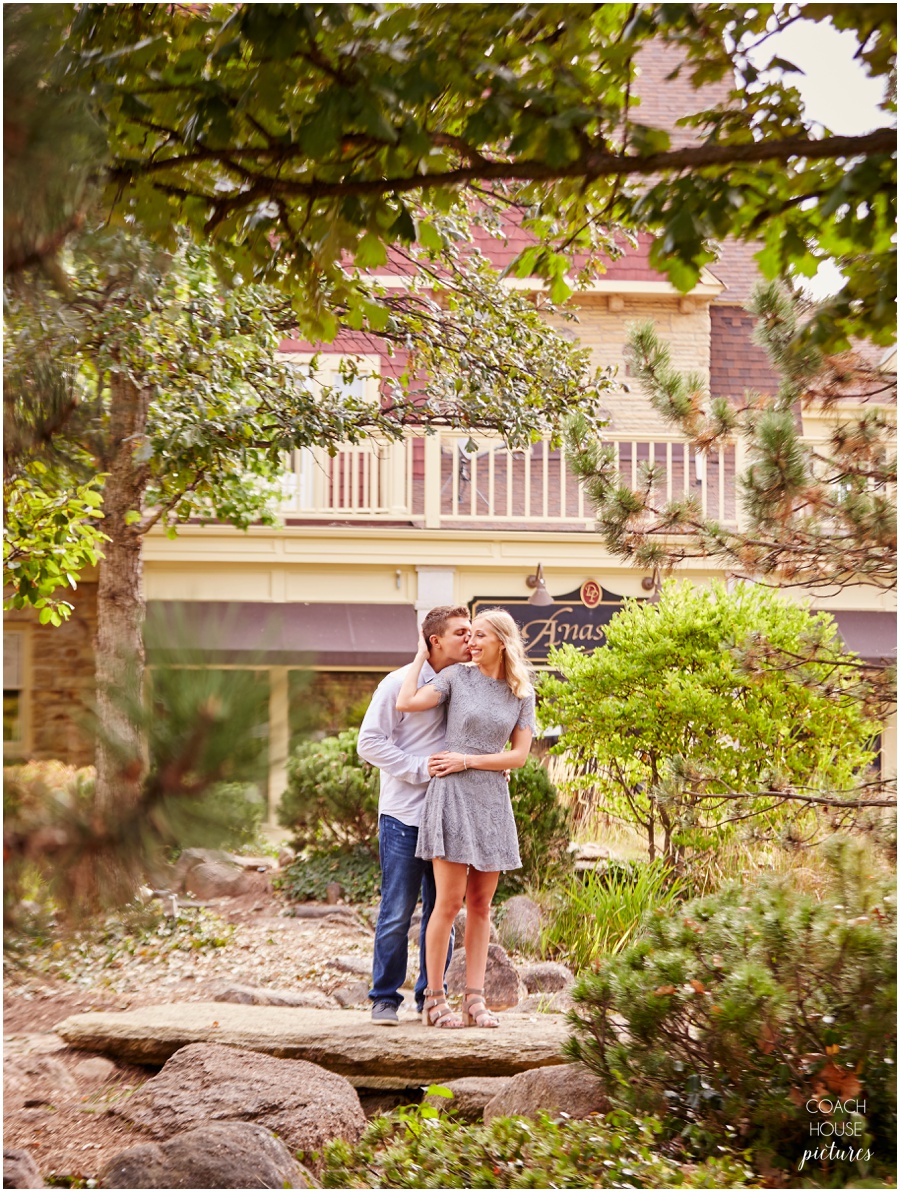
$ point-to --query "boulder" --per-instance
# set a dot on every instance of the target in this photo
(215, 1155)
(361, 966)
(304, 1104)
(470, 1095)
(502, 987)
(546, 977)
(334, 892)
(354, 994)
(547, 1003)
(253, 995)
(286, 856)
(565, 1088)
(217, 879)
(20, 1170)
(459, 928)
(96, 1068)
(344, 1041)
(30, 1081)
(520, 927)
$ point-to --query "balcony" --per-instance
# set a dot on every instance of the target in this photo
(438, 482)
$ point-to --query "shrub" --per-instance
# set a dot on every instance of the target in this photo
(232, 811)
(543, 826)
(331, 796)
(600, 911)
(415, 1148)
(356, 869)
(683, 730)
(744, 1016)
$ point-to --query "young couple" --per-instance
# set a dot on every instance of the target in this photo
(437, 730)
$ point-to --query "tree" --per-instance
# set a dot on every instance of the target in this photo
(298, 137)
(178, 400)
(816, 514)
(677, 737)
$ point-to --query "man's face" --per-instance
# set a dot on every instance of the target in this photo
(453, 643)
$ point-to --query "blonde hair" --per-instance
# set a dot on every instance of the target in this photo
(518, 668)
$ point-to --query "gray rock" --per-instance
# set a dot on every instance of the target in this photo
(304, 1104)
(286, 856)
(96, 1068)
(502, 987)
(546, 977)
(355, 994)
(344, 1041)
(20, 1170)
(253, 995)
(469, 1096)
(360, 965)
(547, 1003)
(30, 1081)
(459, 928)
(520, 927)
(334, 892)
(566, 1088)
(215, 1155)
(217, 879)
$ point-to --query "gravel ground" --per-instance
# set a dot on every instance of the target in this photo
(246, 940)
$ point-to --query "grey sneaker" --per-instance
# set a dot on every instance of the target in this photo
(385, 1013)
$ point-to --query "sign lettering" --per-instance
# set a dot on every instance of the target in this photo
(569, 620)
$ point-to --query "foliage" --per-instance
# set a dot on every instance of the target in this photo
(416, 1148)
(600, 912)
(239, 810)
(681, 739)
(355, 869)
(543, 827)
(331, 795)
(738, 1016)
(812, 514)
(50, 534)
(211, 125)
(200, 728)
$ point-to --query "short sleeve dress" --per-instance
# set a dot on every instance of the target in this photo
(467, 817)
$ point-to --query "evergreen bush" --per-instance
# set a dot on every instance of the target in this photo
(331, 798)
(757, 1017)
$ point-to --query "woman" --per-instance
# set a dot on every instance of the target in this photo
(468, 830)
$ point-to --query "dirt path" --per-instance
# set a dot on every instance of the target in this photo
(58, 1106)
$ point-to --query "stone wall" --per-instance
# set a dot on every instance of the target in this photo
(59, 678)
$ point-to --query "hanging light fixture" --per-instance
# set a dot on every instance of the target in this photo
(540, 595)
(653, 584)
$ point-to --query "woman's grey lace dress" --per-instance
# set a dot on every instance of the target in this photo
(468, 816)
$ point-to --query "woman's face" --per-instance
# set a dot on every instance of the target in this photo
(485, 645)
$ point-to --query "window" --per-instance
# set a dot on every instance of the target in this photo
(14, 707)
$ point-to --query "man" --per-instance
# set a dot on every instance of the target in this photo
(399, 744)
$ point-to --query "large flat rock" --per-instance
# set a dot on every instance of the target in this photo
(343, 1041)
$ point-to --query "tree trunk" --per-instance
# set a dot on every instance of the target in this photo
(120, 607)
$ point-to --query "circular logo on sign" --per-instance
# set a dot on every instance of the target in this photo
(591, 593)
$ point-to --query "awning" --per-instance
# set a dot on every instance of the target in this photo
(871, 635)
(205, 632)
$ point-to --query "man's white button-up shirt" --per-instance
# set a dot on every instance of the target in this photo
(399, 744)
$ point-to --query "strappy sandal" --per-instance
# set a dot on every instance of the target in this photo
(436, 1012)
(475, 1011)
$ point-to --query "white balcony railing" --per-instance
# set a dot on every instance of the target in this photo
(435, 481)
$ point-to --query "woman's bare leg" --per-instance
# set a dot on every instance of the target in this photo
(450, 890)
(479, 894)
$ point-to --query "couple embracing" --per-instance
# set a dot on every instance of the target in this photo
(437, 730)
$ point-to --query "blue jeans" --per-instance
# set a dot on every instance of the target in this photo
(403, 877)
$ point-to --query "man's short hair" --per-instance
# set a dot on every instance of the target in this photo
(436, 621)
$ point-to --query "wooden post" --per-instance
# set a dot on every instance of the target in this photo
(279, 736)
